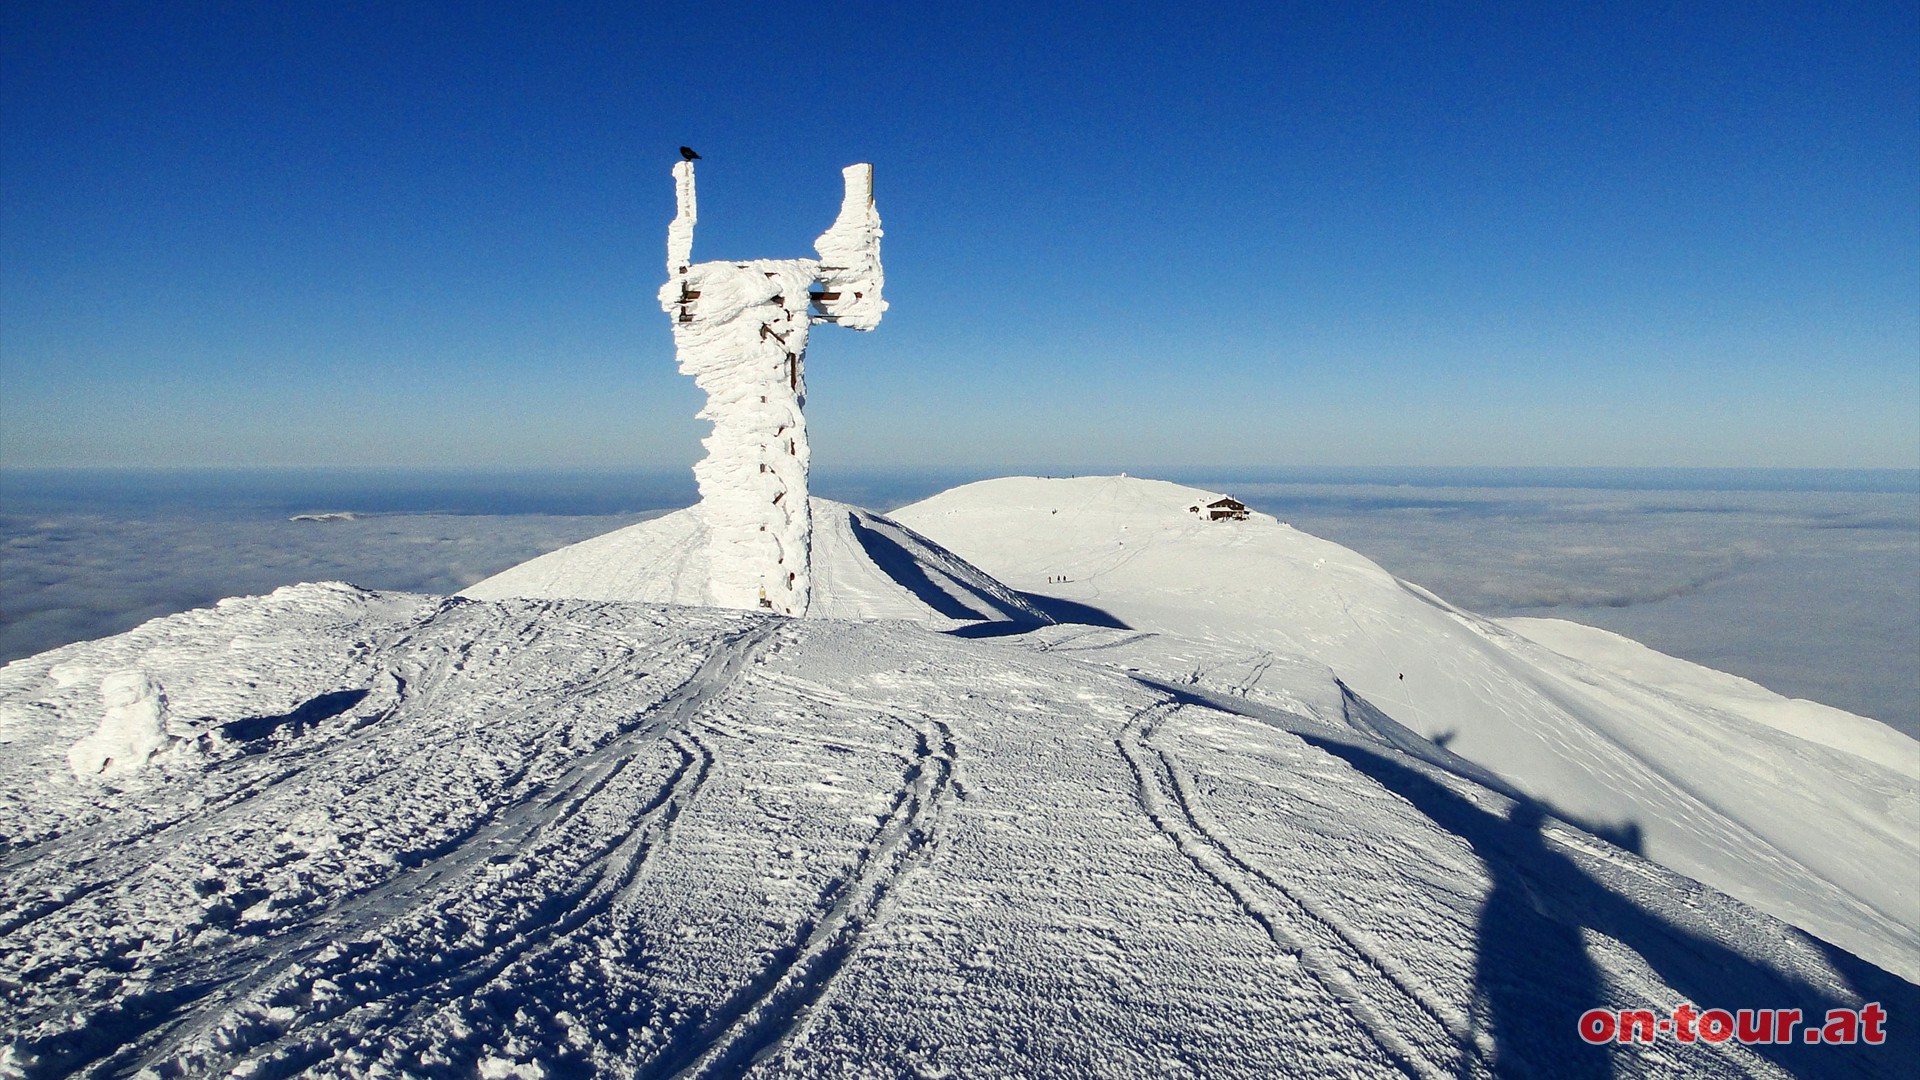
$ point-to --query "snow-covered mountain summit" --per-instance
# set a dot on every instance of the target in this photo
(383, 834)
(1811, 813)
(864, 565)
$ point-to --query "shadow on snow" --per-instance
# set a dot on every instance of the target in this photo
(1533, 977)
(314, 712)
(909, 572)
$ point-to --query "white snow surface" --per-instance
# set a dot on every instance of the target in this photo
(1809, 720)
(1710, 775)
(865, 566)
(408, 835)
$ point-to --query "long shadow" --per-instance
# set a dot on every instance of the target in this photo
(1361, 713)
(318, 710)
(899, 564)
(1067, 611)
(989, 628)
(1060, 611)
(903, 567)
(1533, 977)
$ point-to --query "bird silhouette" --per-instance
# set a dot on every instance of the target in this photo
(687, 152)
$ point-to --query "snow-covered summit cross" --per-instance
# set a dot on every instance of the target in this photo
(740, 329)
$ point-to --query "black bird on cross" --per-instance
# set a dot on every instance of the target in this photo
(687, 153)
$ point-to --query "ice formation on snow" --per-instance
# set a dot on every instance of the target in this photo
(133, 730)
(740, 329)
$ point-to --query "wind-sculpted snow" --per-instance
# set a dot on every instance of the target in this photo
(403, 835)
(1804, 811)
(851, 277)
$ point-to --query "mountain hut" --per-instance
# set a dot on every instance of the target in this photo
(1225, 509)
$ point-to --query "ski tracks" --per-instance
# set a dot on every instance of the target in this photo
(530, 875)
(1353, 970)
(766, 1015)
(404, 688)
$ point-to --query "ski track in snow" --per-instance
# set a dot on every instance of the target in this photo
(1799, 809)
(537, 827)
(779, 1002)
(229, 999)
(508, 899)
(1325, 947)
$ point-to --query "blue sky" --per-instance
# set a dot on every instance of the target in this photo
(1117, 235)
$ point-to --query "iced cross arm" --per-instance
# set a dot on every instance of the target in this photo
(850, 276)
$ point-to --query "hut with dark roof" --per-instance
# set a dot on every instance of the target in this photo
(1224, 509)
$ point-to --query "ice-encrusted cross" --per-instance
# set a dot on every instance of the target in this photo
(740, 329)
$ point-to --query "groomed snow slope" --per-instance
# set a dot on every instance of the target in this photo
(1809, 720)
(1710, 775)
(865, 566)
(407, 835)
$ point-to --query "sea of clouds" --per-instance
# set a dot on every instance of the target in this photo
(1813, 594)
(87, 553)
(1806, 583)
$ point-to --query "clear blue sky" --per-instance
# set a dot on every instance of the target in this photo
(1250, 235)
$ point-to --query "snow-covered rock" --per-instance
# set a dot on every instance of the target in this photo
(132, 731)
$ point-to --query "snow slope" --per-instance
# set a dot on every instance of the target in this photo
(1809, 720)
(865, 566)
(408, 835)
(1710, 776)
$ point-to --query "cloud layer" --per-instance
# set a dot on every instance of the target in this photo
(74, 576)
(1813, 594)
